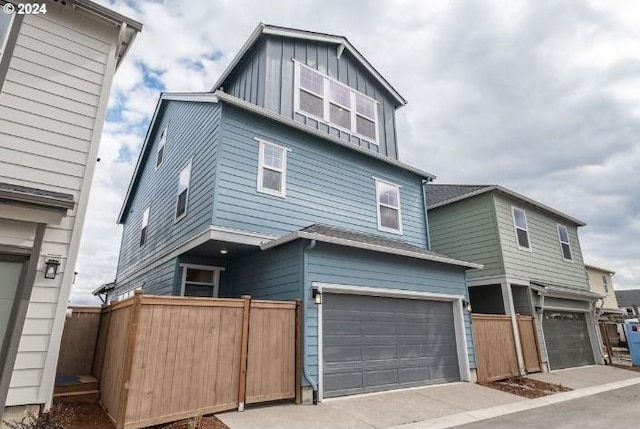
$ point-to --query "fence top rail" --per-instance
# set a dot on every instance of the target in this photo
(290, 305)
(191, 301)
(81, 309)
(490, 317)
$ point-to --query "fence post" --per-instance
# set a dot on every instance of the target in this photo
(244, 351)
(128, 360)
(298, 346)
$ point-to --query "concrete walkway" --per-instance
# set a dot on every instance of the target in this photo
(434, 407)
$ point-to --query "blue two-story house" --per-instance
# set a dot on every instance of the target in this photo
(284, 183)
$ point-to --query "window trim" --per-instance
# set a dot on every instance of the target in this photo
(605, 283)
(283, 171)
(162, 139)
(326, 101)
(144, 225)
(186, 203)
(515, 228)
(216, 277)
(5, 42)
(399, 230)
(568, 243)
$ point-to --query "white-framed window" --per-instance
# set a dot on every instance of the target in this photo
(162, 140)
(6, 20)
(605, 284)
(565, 244)
(388, 207)
(200, 280)
(272, 169)
(144, 227)
(521, 227)
(323, 98)
(182, 198)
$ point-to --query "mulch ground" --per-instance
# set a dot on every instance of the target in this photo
(526, 387)
(630, 368)
(90, 415)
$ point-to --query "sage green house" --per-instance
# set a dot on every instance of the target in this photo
(532, 262)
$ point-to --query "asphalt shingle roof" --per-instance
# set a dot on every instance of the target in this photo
(439, 193)
(627, 298)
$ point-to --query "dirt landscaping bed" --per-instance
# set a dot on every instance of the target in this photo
(526, 387)
(90, 415)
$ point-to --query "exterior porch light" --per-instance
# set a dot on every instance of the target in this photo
(51, 268)
(466, 305)
(538, 309)
(224, 251)
(316, 295)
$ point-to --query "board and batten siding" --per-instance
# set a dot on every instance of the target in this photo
(272, 274)
(192, 134)
(544, 262)
(56, 84)
(266, 78)
(467, 230)
(328, 263)
(326, 183)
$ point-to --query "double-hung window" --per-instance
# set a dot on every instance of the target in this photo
(565, 244)
(272, 169)
(325, 99)
(200, 280)
(5, 26)
(388, 203)
(161, 142)
(522, 230)
(184, 181)
(144, 227)
(605, 284)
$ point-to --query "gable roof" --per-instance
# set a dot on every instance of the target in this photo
(376, 243)
(628, 298)
(208, 97)
(262, 29)
(450, 193)
(604, 270)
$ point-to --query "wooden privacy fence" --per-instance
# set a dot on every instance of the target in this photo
(495, 346)
(170, 358)
(78, 344)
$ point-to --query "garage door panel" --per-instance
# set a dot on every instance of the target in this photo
(567, 339)
(391, 343)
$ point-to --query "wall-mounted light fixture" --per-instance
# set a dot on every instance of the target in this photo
(224, 251)
(316, 295)
(538, 309)
(466, 305)
(51, 268)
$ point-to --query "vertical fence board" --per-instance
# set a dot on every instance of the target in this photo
(78, 344)
(495, 347)
(529, 343)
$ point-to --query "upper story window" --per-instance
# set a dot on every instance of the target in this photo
(161, 142)
(5, 25)
(327, 100)
(522, 230)
(184, 181)
(563, 236)
(388, 203)
(144, 227)
(272, 169)
(605, 284)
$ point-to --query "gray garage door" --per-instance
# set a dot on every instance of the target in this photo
(372, 343)
(567, 339)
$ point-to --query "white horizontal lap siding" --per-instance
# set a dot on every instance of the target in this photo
(55, 87)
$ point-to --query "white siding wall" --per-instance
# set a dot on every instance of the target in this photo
(596, 285)
(56, 86)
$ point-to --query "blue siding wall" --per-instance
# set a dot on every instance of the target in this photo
(248, 78)
(192, 133)
(326, 183)
(354, 267)
(272, 274)
(160, 280)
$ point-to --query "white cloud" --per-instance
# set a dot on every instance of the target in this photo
(539, 96)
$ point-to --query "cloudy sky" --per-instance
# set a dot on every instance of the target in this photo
(542, 97)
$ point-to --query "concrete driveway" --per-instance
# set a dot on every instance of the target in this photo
(378, 410)
(585, 376)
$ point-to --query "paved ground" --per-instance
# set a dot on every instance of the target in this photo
(438, 407)
(373, 411)
(617, 408)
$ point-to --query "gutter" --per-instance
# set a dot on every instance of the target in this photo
(313, 383)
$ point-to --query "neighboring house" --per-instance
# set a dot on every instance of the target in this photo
(532, 265)
(56, 70)
(629, 302)
(284, 183)
(601, 282)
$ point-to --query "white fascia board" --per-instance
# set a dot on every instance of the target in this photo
(559, 292)
(367, 246)
(231, 235)
(235, 101)
(603, 270)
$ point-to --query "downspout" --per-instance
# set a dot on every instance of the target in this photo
(314, 384)
(597, 313)
(426, 217)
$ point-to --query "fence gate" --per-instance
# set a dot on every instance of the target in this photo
(495, 347)
(527, 329)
